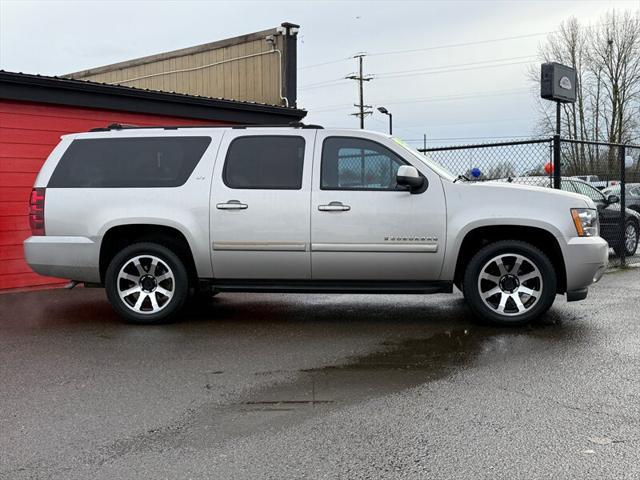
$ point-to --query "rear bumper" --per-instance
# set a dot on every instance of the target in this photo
(75, 258)
(586, 260)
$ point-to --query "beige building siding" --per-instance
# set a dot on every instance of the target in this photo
(216, 70)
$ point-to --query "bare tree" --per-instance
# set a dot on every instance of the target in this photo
(606, 57)
(616, 52)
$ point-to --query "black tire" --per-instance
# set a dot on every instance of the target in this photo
(533, 306)
(628, 251)
(177, 284)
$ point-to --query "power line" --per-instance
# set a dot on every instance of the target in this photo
(482, 62)
(453, 67)
(406, 129)
(321, 64)
(459, 97)
(434, 47)
(324, 83)
(483, 121)
(464, 44)
(439, 125)
(385, 77)
(468, 96)
(469, 138)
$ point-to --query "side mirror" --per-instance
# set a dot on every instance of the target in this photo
(409, 177)
(613, 199)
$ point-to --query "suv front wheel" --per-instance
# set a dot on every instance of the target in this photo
(510, 282)
(146, 283)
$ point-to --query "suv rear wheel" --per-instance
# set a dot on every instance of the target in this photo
(510, 282)
(146, 283)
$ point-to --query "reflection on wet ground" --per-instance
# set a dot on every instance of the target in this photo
(397, 366)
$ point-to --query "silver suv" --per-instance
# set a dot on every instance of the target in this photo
(156, 215)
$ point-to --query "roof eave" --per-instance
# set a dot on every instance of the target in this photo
(36, 88)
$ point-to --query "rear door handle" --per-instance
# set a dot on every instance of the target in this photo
(334, 207)
(232, 205)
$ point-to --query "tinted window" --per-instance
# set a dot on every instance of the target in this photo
(358, 164)
(129, 162)
(265, 162)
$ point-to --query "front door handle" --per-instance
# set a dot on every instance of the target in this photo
(334, 207)
(232, 205)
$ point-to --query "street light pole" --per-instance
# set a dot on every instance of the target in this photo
(387, 112)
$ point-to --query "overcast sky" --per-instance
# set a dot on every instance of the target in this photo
(454, 93)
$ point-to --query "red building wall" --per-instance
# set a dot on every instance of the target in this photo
(28, 133)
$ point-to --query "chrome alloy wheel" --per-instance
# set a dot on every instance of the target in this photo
(631, 238)
(510, 284)
(146, 284)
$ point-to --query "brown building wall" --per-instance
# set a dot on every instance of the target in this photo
(251, 68)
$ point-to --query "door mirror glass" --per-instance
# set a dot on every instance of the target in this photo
(613, 199)
(410, 177)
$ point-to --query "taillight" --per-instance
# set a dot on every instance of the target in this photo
(36, 211)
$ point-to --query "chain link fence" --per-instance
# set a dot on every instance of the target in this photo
(609, 174)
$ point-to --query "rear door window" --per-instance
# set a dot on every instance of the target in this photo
(270, 162)
(142, 162)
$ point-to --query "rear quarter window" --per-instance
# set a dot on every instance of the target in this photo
(142, 162)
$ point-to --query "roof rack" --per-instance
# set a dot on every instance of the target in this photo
(122, 126)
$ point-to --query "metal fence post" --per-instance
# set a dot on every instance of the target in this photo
(557, 153)
(623, 204)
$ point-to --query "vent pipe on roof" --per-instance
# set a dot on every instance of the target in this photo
(290, 62)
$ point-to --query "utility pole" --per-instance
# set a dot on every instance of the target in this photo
(360, 78)
(424, 144)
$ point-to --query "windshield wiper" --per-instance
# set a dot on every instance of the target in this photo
(462, 177)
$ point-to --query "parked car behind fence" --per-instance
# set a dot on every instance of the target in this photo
(620, 237)
(632, 195)
(545, 161)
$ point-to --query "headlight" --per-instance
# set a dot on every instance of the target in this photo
(586, 221)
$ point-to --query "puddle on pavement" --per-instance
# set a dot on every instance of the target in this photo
(405, 364)
(396, 367)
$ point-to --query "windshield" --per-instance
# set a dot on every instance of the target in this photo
(591, 192)
(436, 167)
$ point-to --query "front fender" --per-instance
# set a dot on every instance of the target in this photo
(459, 229)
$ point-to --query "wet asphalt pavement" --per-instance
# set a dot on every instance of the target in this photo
(320, 386)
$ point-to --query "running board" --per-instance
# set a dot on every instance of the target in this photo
(332, 286)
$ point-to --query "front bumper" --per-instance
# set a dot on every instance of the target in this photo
(75, 258)
(586, 260)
